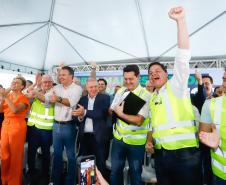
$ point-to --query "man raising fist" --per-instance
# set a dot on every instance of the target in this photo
(173, 134)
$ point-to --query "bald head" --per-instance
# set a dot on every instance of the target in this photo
(47, 82)
(92, 87)
(47, 77)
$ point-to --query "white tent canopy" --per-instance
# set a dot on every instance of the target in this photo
(41, 34)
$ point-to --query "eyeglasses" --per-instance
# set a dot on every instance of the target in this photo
(224, 79)
(101, 84)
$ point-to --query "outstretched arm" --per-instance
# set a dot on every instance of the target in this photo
(178, 14)
(181, 64)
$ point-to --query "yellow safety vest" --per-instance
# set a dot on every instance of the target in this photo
(172, 120)
(218, 116)
(41, 116)
(132, 134)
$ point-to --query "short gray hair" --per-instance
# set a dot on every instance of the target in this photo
(91, 80)
(47, 76)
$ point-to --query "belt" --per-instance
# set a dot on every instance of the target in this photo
(64, 122)
(188, 149)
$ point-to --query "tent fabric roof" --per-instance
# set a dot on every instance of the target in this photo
(41, 34)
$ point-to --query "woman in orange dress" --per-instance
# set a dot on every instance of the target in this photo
(15, 105)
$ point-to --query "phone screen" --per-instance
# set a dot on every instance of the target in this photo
(87, 171)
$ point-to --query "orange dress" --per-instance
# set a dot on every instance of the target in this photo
(13, 135)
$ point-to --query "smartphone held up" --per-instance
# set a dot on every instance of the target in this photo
(86, 170)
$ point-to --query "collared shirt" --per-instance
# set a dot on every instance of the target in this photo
(181, 73)
(205, 115)
(73, 93)
(120, 96)
(180, 76)
(89, 122)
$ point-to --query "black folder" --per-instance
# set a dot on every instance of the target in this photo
(133, 104)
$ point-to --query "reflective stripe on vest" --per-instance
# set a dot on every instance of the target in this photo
(40, 116)
(132, 134)
(218, 116)
(45, 116)
(172, 120)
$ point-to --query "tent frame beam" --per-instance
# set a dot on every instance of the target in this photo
(140, 16)
(200, 63)
(23, 24)
(48, 32)
(190, 35)
(50, 23)
(20, 68)
(22, 38)
(100, 42)
(76, 51)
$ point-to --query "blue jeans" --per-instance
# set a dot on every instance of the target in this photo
(178, 167)
(39, 138)
(135, 157)
(64, 136)
(218, 181)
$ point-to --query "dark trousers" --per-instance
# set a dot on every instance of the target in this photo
(178, 167)
(39, 138)
(135, 156)
(90, 146)
(218, 181)
(207, 173)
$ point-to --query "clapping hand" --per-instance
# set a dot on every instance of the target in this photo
(119, 109)
(38, 79)
(210, 139)
(53, 98)
(4, 92)
(79, 111)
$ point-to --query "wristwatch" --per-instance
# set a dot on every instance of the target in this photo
(59, 99)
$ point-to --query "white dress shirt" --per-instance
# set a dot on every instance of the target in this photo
(205, 115)
(89, 122)
(73, 93)
(179, 80)
(181, 72)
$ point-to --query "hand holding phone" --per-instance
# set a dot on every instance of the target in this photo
(100, 178)
(86, 170)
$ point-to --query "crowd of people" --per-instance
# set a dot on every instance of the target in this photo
(188, 149)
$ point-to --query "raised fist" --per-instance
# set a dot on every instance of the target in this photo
(93, 65)
(38, 78)
(177, 13)
(198, 76)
